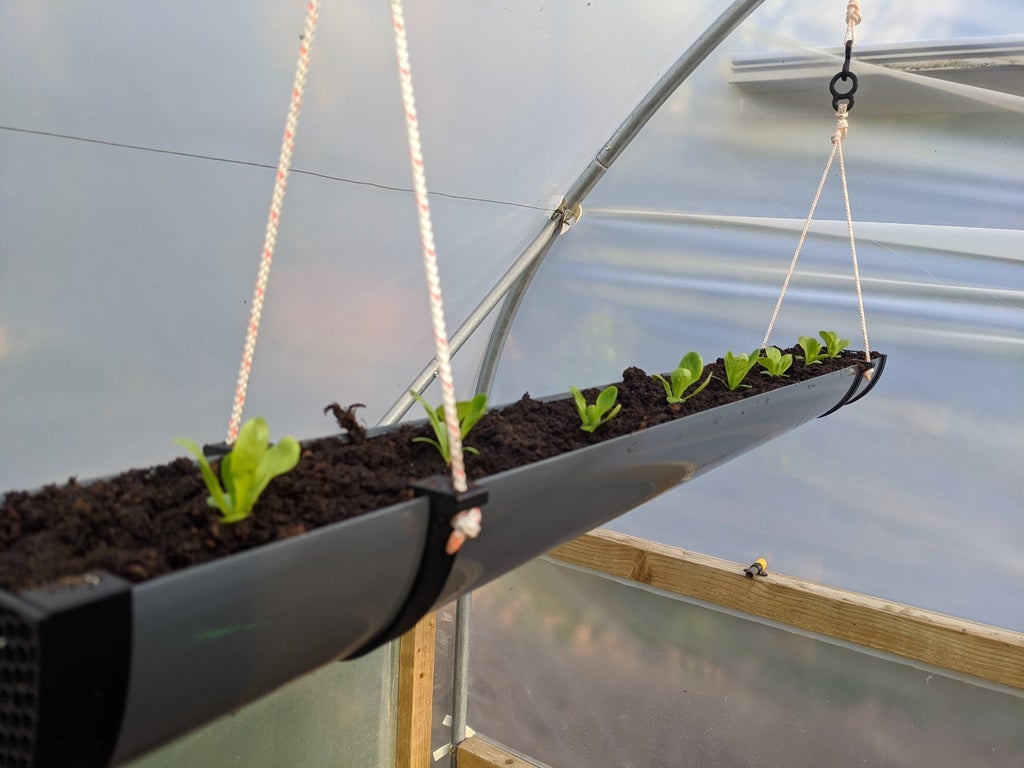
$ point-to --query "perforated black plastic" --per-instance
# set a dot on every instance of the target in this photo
(19, 690)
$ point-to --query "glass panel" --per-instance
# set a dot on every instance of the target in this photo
(341, 716)
(578, 669)
(444, 660)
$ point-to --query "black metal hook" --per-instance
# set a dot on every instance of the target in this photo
(844, 75)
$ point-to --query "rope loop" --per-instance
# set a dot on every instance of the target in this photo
(853, 17)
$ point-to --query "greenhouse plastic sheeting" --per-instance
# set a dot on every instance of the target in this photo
(579, 670)
(138, 147)
(914, 494)
(138, 144)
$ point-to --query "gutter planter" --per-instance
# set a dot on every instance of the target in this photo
(98, 667)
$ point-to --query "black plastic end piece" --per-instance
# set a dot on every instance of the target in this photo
(445, 503)
(216, 450)
(65, 653)
(879, 365)
(876, 365)
(436, 564)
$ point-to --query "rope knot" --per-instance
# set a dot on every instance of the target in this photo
(853, 17)
(465, 525)
(842, 125)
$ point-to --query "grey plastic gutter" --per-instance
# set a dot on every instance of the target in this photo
(567, 212)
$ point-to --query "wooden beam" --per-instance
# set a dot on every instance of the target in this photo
(968, 647)
(415, 694)
(478, 752)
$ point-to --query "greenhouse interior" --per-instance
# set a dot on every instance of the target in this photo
(317, 213)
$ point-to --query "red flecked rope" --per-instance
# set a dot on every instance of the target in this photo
(273, 219)
(466, 524)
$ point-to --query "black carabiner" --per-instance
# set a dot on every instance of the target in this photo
(845, 75)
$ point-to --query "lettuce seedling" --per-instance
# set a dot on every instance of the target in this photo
(775, 363)
(814, 352)
(833, 344)
(601, 411)
(469, 413)
(682, 378)
(246, 470)
(737, 367)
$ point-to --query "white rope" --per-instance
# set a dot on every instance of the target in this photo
(841, 133)
(273, 219)
(466, 524)
(853, 18)
(799, 247)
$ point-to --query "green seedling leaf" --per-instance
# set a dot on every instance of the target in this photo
(682, 378)
(737, 367)
(833, 344)
(775, 363)
(601, 411)
(217, 496)
(814, 352)
(469, 413)
(279, 459)
(246, 470)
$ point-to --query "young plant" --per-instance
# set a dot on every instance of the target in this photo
(469, 413)
(737, 367)
(833, 344)
(775, 363)
(602, 410)
(814, 352)
(682, 378)
(246, 470)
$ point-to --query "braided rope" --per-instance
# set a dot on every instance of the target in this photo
(799, 246)
(273, 218)
(841, 132)
(853, 18)
(466, 524)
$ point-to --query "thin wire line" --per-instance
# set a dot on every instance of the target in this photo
(268, 166)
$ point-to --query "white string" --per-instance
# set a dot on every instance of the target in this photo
(466, 524)
(853, 241)
(799, 246)
(853, 18)
(273, 219)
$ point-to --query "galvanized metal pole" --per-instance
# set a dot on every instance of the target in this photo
(721, 28)
(611, 150)
(526, 259)
(520, 275)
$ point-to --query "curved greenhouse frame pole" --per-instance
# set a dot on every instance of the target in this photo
(514, 283)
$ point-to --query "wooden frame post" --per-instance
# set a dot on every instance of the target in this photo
(415, 694)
